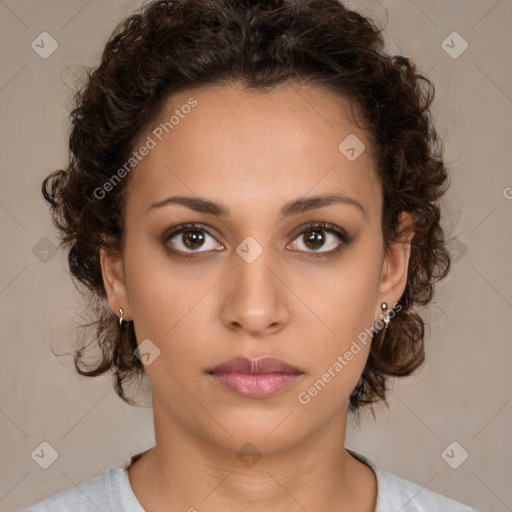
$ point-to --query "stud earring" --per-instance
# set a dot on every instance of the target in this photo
(385, 318)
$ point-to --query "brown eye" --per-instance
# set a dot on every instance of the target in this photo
(314, 239)
(190, 238)
(317, 236)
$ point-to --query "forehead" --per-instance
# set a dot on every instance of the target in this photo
(251, 149)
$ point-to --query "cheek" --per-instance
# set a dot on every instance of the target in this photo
(347, 308)
(154, 285)
(347, 303)
(337, 359)
(167, 302)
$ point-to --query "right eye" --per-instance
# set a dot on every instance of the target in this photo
(189, 238)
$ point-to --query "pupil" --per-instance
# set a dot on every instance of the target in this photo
(316, 239)
(196, 237)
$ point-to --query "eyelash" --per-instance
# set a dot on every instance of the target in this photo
(315, 226)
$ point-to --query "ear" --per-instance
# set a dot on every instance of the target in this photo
(395, 267)
(112, 271)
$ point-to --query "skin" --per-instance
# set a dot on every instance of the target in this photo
(253, 152)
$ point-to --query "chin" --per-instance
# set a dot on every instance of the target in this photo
(259, 431)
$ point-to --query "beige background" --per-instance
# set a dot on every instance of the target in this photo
(462, 394)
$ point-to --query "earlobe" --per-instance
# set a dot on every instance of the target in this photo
(114, 282)
(396, 265)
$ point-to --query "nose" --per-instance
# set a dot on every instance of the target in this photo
(255, 295)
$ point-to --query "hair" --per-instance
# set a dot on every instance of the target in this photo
(170, 46)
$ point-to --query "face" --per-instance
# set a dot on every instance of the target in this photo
(256, 277)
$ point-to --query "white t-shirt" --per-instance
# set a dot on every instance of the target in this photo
(113, 493)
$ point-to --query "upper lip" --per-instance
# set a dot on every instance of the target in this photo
(265, 364)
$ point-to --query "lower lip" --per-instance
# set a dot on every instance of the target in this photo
(256, 385)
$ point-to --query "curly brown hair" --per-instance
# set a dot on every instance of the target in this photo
(174, 45)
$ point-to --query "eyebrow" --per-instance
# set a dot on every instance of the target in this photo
(293, 207)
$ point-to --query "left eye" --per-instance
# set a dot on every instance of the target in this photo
(315, 237)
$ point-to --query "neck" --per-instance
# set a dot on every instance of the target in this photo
(185, 471)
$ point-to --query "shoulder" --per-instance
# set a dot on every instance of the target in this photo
(410, 497)
(395, 493)
(90, 495)
(105, 493)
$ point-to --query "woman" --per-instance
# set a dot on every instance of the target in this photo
(253, 191)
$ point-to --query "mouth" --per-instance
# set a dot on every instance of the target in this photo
(255, 378)
(265, 364)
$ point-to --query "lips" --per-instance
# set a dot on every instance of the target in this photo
(255, 378)
(266, 364)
